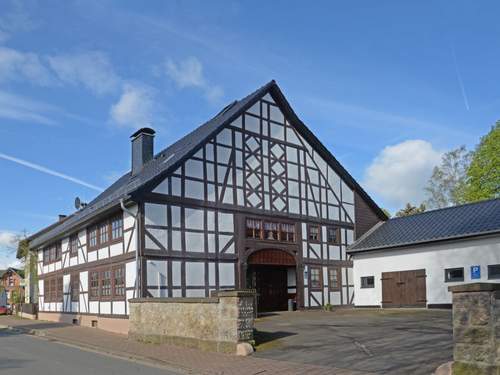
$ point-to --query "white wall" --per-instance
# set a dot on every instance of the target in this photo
(433, 258)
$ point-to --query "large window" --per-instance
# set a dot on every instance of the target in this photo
(119, 281)
(94, 285)
(116, 228)
(270, 230)
(315, 280)
(367, 282)
(453, 274)
(314, 233)
(494, 271)
(106, 232)
(53, 289)
(75, 287)
(73, 245)
(107, 283)
(334, 279)
(52, 253)
(333, 235)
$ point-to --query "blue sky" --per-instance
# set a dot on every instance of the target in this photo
(387, 86)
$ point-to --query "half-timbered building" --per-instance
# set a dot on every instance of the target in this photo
(250, 199)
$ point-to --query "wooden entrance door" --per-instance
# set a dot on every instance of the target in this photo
(270, 283)
(404, 289)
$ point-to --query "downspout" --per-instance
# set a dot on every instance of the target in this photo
(136, 230)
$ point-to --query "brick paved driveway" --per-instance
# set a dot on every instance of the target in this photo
(382, 341)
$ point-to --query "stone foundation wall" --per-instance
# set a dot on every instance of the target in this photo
(476, 329)
(218, 323)
(115, 325)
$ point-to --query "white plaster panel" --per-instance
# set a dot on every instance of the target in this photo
(74, 306)
(195, 274)
(128, 220)
(226, 274)
(195, 292)
(83, 303)
(306, 299)
(105, 307)
(119, 307)
(92, 256)
(176, 293)
(156, 272)
(335, 298)
(66, 283)
(434, 259)
(40, 287)
(116, 249)
(316, 295)
(130, 273)
(73, 261)
(211, 273)
(84, 281)
(94, 307)
(176, 273)
(103, 253)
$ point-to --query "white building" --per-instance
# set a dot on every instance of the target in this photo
(411, 261)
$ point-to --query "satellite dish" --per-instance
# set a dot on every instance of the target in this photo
(78, 203)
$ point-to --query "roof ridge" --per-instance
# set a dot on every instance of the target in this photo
(445, 208)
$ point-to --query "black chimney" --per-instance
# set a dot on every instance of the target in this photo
(142, 148)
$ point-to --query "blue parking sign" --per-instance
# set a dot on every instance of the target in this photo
(475, 272)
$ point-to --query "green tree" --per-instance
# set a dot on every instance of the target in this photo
(386, 212)
(409, 210)
(483, 175)
(446, 186)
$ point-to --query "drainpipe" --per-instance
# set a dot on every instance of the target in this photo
(136, 230)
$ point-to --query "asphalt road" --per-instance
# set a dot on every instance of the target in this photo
(24, 354)
(395, 342)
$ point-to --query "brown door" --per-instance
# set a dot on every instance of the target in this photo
(404, 289)
(270, 283)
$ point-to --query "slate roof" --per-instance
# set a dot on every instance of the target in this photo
(170, 158)
(468, 220)
(20, 272)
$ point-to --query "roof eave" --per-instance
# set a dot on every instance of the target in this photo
(423, 242)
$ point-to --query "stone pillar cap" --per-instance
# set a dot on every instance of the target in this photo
(474, 287)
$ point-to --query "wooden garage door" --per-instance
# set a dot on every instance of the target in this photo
(404, 289)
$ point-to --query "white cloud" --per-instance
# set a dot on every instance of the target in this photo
(16, 18)
(134, 108)
(91, 69)
(8, 239)
(18, 108)
(399, 173)
(189, 73)
(16, 65)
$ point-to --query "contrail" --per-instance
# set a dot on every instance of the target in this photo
(49, 171)
(459, 77)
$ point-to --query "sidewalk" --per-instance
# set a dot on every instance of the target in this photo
(184, 360)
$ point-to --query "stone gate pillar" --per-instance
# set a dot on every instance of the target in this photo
(476, 329)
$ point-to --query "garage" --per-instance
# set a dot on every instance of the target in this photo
(411, 261)
(404, 289)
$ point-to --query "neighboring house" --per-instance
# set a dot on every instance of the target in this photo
(12, 280)
(411, 261)
(250, 199)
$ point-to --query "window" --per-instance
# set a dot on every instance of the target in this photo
(75, 287)
(106, 283)
(117, 228)
(119, 281)
(59, 289)
(494, 271)
(93, 237)
(73, 245)
(52, 253)
(334, 279)
(453, 274)
(288, 232)
(58, 251)
(103, 233)
(253, 228)
(315, 278)
(368, 282)
(270, 231)
(11, 280)
(314, 233)
(46, 256)
(333, 235)
(94, 285)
